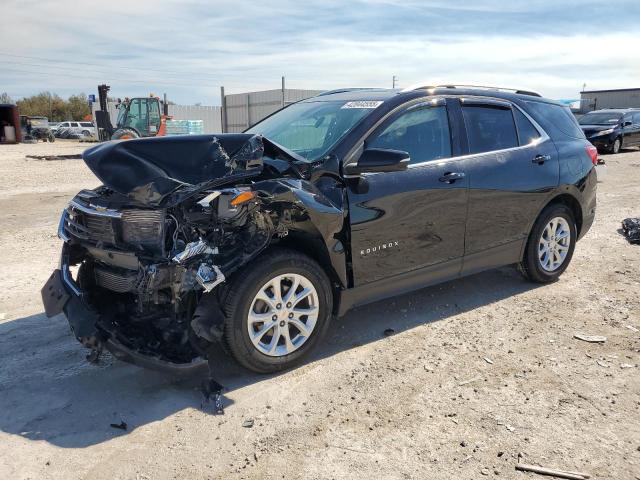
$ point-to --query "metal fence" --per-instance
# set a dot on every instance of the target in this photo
(243, 110)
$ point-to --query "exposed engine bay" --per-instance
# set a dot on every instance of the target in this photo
(147, 254)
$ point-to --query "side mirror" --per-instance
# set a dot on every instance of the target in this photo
(375, 160)
(626, 124)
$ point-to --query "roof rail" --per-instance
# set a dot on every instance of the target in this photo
(342, 90)
(480, 87)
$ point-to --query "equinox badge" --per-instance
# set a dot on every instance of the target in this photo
(377, 248)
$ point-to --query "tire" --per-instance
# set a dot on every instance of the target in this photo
(124, 134)
(616, 146)
(533, 263)
(242, 298)
(86, 133)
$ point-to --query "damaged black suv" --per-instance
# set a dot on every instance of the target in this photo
(252, 242)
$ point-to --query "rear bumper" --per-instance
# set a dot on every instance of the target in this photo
(61, 294)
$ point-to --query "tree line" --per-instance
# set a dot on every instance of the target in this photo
(52, 106)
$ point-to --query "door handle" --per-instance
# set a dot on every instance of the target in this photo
(540, 159)
(450, 177)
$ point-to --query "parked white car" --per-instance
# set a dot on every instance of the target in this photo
(86, 129)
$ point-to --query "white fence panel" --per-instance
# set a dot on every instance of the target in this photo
(211, 116)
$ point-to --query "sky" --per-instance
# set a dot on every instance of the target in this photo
(189, 48)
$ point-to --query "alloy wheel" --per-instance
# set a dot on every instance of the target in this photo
(283, 314)
(554, 244)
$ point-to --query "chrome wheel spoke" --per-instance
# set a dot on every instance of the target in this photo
(302, 295)
(260, 317)
(310, 311)
(291, 294)
(288, 346)
(257, 336)
(262, 295)
(302, 328)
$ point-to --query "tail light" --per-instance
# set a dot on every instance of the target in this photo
(593, 153)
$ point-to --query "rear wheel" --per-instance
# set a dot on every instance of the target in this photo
(276, 311)
(550, 245)
(86, 133)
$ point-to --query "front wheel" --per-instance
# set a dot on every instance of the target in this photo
(277, 309)
(124, 134)
(615, 147)
(550, 245)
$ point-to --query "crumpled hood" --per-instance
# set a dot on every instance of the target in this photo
(149, 169)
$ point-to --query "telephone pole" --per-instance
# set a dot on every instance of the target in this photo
(394, 81)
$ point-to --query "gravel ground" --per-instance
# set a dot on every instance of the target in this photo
(481, 373)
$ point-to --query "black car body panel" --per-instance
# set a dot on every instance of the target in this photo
(178, 216)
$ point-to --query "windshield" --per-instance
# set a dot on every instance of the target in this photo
(600, 118)
(311, 129)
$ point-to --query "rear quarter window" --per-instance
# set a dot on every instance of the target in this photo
(559, 117)
(86, 124)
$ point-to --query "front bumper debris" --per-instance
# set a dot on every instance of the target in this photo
(61, 294)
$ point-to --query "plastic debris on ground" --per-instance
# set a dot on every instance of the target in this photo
(631, 229)
(212, 392)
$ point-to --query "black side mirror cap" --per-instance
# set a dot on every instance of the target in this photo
(375, 160)
(626, 124)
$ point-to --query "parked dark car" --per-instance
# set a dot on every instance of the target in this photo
(254, 241)
(611, 129)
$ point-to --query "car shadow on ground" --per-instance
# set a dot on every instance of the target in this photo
(50, 393)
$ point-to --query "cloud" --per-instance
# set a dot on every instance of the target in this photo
(190, 48)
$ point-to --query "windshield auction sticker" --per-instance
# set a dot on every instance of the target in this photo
(362, 104)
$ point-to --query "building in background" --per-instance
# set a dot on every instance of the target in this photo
(599, 99)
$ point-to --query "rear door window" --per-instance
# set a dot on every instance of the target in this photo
(422, 132)
(636, 118)
(527, 132)
(489, 128)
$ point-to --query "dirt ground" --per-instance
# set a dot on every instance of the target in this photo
(481, 373)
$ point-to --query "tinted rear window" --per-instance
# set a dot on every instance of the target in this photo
(558, 116)
(526, 131)
(489, 128)
(87, 124)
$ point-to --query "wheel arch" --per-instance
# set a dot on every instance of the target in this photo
(313, 247)
(566, 199)
(573, 204)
